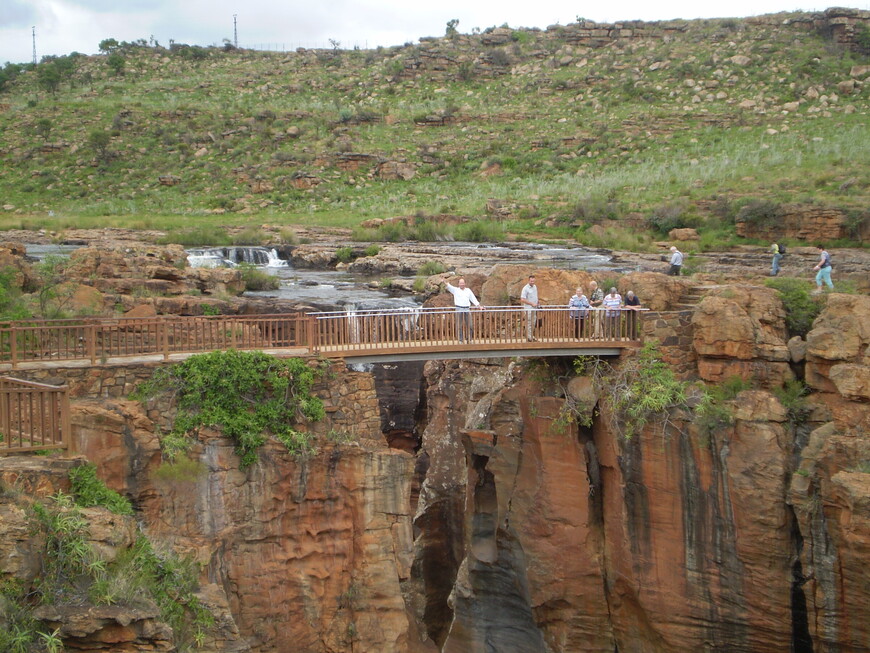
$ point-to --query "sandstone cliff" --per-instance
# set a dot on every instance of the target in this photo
(494, 523)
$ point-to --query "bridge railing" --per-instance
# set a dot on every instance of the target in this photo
(331, 333)
(98, 339)
(488, 328)
(33, 416)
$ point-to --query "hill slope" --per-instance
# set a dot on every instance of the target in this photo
(653, 124)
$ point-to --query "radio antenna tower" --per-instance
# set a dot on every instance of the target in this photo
(33, 29)
(235, 33)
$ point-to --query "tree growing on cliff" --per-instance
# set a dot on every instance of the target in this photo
(640, 389)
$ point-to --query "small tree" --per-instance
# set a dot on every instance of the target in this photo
(116, 62)
(48, 76)
(451, 28)
(98, 141)
(43, 127)
(109, 45)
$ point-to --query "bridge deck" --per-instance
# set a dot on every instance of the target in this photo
(413, 333)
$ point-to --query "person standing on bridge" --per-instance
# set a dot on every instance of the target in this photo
(529, 300)
(463, 299)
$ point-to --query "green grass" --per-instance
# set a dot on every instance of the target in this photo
(573, 143)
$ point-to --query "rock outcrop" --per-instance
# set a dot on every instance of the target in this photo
(494, 505)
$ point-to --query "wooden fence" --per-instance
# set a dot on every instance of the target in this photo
(492, 328)
(330, 334)
(100, 339)
(33, 416)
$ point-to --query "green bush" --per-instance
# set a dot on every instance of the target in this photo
(480, 231)
(88, 490)
(344, 254)
(670, 216)
(12, 305)
(800, 307)
(249, 395)
(206, 236)
(256, 279)
(431, 267)
(760, 213)
(793, 397)
(594, 209)
(371, 250)
(251, 236)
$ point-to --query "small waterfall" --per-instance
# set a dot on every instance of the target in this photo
(226, 257)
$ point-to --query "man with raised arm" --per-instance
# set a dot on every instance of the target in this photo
(463, 299)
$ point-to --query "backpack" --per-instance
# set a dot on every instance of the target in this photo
(781, 249)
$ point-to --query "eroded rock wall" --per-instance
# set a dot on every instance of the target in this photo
(533, 532)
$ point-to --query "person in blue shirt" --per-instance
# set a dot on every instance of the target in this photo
(823, 269)
(578, 311)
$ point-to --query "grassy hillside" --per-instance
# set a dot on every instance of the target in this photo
(675, 124)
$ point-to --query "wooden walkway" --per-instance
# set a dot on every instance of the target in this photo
(34, 416)
(397, 333)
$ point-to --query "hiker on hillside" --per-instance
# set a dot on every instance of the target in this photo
(676, 262)
(823, 269)
(777, 257)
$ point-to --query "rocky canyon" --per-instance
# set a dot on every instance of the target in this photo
(495, 505)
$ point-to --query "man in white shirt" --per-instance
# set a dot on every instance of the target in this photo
(529, 300)
(463, 298)
(676, 262)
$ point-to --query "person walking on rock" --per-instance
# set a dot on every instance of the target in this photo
(529, 300)
(777, 257)
(823, 269)
(463, 298)
(676, 262)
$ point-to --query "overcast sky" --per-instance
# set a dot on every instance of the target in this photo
(64, 26)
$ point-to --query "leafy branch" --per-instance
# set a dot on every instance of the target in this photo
(248, 395)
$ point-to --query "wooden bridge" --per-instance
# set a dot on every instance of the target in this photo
(33, 416)
(389, 334)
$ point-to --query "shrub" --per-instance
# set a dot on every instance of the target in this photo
(760, 213)
(256, 279)
(12, 305)
(793, 397)
(344, 254)
(251, 236)
(249, 395)
(429, 230)
(670, 216)
(88, 490)
(594, 209)
(206, 236)
(431, 267)
(98, 141)
(371, 250)
(480, 231)
(116, 63)
(800, 307)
